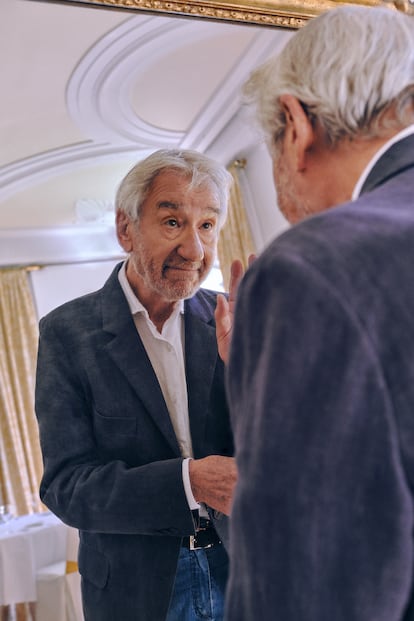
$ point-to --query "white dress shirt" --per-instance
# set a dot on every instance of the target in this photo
(166, 353)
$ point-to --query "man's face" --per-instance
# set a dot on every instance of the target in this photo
(173, 245)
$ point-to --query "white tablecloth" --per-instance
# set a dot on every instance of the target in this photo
(28, 543)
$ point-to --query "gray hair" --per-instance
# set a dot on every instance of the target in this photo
(347, 67)
(200, 169)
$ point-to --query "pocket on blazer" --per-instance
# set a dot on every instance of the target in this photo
(114, 425)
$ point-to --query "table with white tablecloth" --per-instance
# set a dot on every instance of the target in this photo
(27, 544)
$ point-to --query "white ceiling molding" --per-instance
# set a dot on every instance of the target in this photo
(94, 211)
(26, 173)
(226, 102)
(98, 101)
(129, 94)
(58, 245)
(98, 92)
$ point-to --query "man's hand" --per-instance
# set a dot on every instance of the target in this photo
(224, 312)
(213, 479)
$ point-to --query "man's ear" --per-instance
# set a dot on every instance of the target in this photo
(299, 130)
(123, 230)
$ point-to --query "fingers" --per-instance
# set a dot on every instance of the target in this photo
(222, 308)
(224, 324)
(225, 309)
(236, 274)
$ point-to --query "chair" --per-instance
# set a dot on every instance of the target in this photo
(58, 586)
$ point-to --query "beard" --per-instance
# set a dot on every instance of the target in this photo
(293, 206)
(173, 279)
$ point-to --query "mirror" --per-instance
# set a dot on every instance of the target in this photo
(96, 85)
(284, 14)
(88, 92)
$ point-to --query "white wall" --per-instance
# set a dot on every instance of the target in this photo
(72, 260)
(267, 221)
(57, 284)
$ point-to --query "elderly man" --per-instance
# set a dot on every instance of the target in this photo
(322, 359)
(131, 406)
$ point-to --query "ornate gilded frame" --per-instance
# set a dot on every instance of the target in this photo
(278, 13)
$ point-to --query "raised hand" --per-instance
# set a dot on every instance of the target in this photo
(225, 309)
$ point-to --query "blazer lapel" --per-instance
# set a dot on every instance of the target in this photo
(201, 360)
(129, 354)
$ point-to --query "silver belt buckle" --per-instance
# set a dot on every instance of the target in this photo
(193, 546)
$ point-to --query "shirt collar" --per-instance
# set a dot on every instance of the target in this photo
(407, 131)
(135, 305)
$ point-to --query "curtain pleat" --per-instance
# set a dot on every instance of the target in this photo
(20, 456)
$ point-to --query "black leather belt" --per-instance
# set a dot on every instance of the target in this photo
(205, 537)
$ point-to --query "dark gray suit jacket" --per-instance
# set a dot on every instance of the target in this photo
(112, 465)
(321, 386)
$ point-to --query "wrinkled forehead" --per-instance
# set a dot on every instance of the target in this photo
(171, 182)
(193, 178)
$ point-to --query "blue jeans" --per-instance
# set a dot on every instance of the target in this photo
(199, 587)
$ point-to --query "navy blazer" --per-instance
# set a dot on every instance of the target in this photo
(321, 386)
(112, 465)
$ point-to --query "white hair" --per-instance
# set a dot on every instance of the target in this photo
(200, 169)
(347, 67)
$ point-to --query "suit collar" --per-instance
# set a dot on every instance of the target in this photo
(128, 353)
(397, 158)
(114, 304)
(201, 361)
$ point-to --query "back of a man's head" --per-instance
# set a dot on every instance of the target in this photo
(348, 68)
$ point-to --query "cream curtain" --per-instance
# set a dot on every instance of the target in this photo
(235, 240)
(20, 457)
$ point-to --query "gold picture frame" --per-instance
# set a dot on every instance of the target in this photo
(270, 13)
